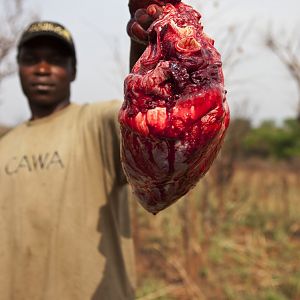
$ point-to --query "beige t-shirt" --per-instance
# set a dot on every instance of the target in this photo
(64, 214)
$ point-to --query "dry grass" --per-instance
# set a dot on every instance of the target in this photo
(248, 249)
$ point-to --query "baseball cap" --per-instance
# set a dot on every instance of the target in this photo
(51, 29)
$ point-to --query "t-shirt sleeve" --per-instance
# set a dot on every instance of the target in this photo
(105, 115)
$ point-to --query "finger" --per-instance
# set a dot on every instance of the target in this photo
(143, 18)
(136, 32)
(140, 12)
(154, 10)
(134, 5)
(139, 33)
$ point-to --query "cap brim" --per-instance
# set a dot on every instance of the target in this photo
(33, 35)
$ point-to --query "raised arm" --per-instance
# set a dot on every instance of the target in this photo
(142, 15)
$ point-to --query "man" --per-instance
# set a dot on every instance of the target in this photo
(64, 219)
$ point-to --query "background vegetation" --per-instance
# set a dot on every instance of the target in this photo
(237, 234)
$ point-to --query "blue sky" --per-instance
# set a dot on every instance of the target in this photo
(259, 85)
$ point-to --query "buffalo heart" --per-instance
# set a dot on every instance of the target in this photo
(175, 113)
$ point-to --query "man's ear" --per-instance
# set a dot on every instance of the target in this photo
(74, 72)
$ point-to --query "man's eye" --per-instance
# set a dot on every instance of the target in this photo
(57, 60)
(28, 59)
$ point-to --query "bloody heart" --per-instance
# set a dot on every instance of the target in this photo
(175, 115)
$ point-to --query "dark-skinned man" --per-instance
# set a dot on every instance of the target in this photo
(64, 216)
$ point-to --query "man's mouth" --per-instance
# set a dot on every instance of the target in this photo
(43, 87)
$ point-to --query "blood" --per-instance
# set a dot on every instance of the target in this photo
(175, 114)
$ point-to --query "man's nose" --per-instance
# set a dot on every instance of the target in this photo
(43, 68)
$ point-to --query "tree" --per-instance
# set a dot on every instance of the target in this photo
(288, 53)
(13, 16)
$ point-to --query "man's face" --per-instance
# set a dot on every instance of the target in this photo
(46, 71)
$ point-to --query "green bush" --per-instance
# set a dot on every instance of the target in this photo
(270, 140)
